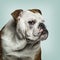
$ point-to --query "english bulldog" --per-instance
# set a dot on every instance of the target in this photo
(22, 35)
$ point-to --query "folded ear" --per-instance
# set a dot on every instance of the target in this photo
(16, 13)
(35, 11)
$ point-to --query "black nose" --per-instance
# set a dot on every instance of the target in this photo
(41, 25)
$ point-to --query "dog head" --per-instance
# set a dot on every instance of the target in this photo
(30, 24)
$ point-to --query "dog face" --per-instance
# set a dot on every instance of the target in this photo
(30, 24)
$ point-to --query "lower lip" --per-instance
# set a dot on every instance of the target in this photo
(37, 34)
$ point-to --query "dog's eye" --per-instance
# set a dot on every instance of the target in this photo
(31, 22)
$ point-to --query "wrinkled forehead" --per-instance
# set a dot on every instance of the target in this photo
(28, 15)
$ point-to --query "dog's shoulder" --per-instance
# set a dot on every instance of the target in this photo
(9, 28)
(8, 33)
(5, 32)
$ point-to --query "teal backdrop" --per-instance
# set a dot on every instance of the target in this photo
(51, 14)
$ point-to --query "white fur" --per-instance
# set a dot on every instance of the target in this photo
(28, 16)
(10, 41)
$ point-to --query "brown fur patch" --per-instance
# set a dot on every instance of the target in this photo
(1, 43)
(0, 47)
(3, 28)
(35, 11)
(16, 13)
(38, 55)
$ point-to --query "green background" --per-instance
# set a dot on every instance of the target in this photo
(51, 14)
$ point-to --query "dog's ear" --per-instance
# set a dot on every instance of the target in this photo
(35, 11)
(16, 13)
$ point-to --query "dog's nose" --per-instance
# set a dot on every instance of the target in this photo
(41, 26)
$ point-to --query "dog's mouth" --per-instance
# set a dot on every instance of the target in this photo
(43, 36)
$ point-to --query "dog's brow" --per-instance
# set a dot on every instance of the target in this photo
(32, 19)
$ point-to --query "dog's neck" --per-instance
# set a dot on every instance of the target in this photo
(30, 43)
